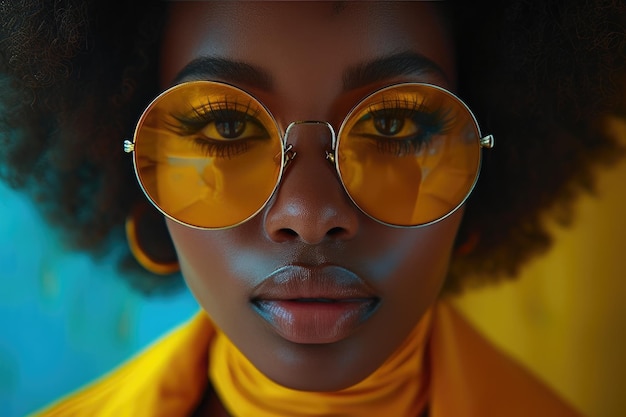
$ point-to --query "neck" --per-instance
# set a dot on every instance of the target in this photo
(399, 387)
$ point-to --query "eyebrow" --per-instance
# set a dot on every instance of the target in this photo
(380, 69)
(208, 67)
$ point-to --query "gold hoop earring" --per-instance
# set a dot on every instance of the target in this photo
(149, 241)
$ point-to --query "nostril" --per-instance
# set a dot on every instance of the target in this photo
(336, 231)
(285, 234)
(289, 232)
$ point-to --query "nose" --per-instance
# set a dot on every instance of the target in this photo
(310, 204)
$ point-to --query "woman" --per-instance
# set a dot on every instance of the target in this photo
(312, 163)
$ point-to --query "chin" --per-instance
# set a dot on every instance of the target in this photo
(316, 368)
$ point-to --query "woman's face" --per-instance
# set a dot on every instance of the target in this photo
(315, 293)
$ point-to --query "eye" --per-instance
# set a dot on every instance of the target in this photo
(388, 125)
(220, 129)
(401, 125)
(230, 129)
(392, 123)
(227, 125)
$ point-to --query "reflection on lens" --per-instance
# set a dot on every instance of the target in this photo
(205, 154)
(409, 154)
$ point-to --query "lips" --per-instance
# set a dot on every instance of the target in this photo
(314, 305)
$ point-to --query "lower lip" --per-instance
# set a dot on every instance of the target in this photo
(313, 322)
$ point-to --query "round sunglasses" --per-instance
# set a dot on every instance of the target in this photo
(210, 155)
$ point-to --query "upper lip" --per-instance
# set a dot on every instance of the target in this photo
(327, 282)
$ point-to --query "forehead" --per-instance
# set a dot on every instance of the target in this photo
(303, 39)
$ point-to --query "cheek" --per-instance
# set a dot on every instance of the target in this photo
(205, 261)
(413, 256)
(417, 265)
(409, 276)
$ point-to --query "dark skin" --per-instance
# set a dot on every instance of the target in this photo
(306, 50)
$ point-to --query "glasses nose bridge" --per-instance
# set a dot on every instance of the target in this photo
(290, 152)
(294, 124)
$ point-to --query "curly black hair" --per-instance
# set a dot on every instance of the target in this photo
(541, 76)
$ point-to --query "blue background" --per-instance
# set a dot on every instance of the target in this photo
(65, 318)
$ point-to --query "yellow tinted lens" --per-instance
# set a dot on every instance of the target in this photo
(208, 154)
(409, 154)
